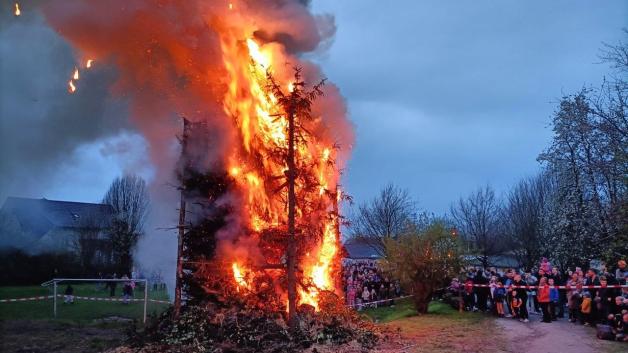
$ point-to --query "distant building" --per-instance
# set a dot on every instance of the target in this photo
(360, 249)
(48, 226)
(506, 260)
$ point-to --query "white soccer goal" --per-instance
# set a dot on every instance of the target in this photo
(55, 283)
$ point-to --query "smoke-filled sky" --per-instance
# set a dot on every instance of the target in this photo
(445, 96)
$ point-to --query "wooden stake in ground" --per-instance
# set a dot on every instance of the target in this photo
(181, 232)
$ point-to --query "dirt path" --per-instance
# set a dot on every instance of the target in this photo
(559, 336)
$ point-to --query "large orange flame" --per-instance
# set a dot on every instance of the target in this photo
(263, 131)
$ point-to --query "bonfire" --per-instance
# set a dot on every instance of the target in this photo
(264, 143)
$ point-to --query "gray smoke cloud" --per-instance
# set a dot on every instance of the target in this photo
(41, 124)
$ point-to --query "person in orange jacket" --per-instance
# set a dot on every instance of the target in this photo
(543, 296)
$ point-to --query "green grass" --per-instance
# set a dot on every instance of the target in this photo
(405, 308)
(81, 310)
(442, 329)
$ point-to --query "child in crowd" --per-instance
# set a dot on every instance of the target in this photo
(69, 295)
(554, 298)
(543, 295)
(585, 309)
(511, 298)
(351, 296)
(374, 297)
(499, 295)
(516, 306)
(574, 306)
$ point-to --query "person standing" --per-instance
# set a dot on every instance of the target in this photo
(533, 304)
(507, 281)
(622, 272)
(481, 292)
(591, 279)
(574, 295)
(554, 298)
(522, 295)
(112, 285)
(69, 295)
(469, 298)
(562, 296)
(127, 290)
(543, 295)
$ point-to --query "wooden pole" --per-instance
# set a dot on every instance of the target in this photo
(181, 232)
(145, 298)
(54, 299)
(292, 246)
(177, 290)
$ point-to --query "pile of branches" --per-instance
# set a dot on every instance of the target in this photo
(211, 328)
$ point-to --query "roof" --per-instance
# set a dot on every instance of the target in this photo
(39, 215)
(361, 248)
(505, 260)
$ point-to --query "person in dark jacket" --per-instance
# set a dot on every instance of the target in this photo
(69, 295)
(469, 297)
(559, 280)
(606, 302)
(507, 281)
(481, 292)
(522, 293)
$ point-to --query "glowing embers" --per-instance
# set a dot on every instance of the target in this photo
(72, 83)
(17, 10)
(240, 275)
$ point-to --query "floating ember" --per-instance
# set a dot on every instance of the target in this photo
(17, 9)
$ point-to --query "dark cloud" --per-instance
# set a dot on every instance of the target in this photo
(447, 96)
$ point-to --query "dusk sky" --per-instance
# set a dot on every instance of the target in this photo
(445, 96)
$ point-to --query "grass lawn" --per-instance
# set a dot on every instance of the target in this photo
(443, 329)
(82, 311)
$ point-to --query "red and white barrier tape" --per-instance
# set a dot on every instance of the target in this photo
(378, 301)
(535, 287)
(26, 299)
(82, 298)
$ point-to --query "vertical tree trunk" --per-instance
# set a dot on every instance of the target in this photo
(292, 246)
(179, 274)
(181, 230)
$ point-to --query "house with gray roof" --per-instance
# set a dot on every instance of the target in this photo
(51, 226)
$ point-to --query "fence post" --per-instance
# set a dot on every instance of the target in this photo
(54, 299)
(145, 298)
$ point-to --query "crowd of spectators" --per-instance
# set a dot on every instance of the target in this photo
(365, 286)
(605, 307)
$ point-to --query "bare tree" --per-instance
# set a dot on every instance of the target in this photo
(523, 217)
(129, 198)
(386, 216)
(477, 218)
(88, 240)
